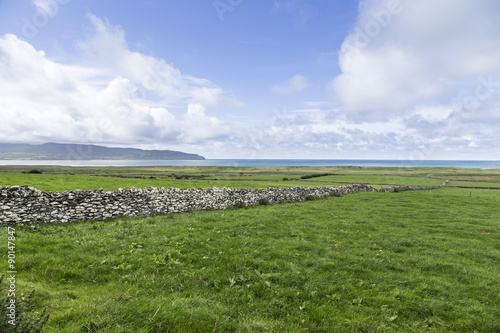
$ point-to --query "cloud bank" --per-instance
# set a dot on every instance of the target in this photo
(416, 52)
(432, 65)
(113, 96)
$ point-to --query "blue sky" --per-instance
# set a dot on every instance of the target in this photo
(397, 79)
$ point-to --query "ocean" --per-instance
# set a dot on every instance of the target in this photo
(262, 162)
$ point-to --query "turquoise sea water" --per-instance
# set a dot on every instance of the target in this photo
(267, 162)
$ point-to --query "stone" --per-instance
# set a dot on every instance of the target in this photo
(71, 206)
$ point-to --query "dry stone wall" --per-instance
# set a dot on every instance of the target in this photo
(407, 188)
(401, 188)
(28, 205)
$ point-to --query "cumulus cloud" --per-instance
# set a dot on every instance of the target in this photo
(114, 95)
(198, 127)
(106, 49)
(434, 65)
(416, 52)
(295, 84)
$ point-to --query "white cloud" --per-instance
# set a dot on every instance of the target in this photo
(419, 52)
(198, 127)
(433, 113)
(295, 84)
(426, 73)
(107, 50)
(114, 96)
(50, 7)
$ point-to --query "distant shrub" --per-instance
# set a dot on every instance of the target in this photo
(36, 172)
(316, 175)
(285, 179)
(240, 204)
(264, 201)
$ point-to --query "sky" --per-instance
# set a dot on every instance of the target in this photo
(251, 79)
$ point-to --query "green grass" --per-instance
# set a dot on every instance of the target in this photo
(62, 182)
(56, 178)
(474, 184)
(423, 261)
(416, 261)
(385, 180)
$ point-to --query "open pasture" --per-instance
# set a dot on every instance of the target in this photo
(415, 261)
(58, 178)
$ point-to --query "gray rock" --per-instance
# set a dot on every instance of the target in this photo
(21, 203)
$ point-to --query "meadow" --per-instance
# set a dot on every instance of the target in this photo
(54, 178)
(414, 261)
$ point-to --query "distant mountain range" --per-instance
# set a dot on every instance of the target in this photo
(57, 151)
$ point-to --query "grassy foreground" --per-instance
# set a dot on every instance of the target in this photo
(418, 261)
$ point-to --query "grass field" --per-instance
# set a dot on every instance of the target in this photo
(416, 261)
(474, 184)
(55, 178)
